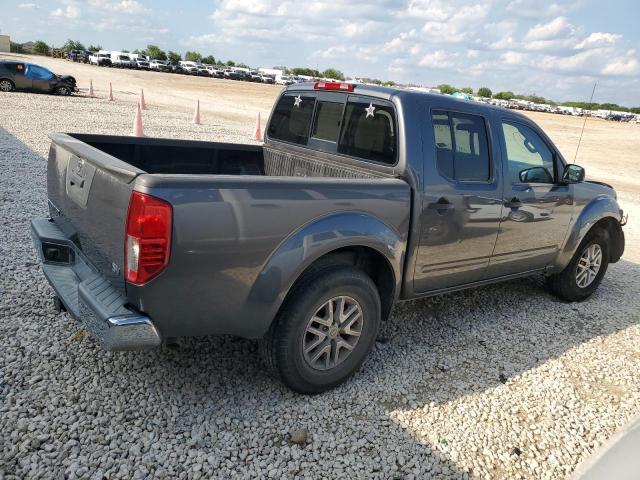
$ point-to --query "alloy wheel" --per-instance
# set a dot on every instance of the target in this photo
(6, 86)
(332, 333)
(588, 265)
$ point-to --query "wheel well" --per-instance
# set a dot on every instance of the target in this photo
(371, 262)
(616, 237)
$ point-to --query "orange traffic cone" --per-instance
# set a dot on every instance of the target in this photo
(257, 134)
(91, 94)
(137, 123)
(196, 115)
(110, 97)
(143, 105)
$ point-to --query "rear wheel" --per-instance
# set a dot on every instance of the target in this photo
(325, 331)
(6, 85)
(585, 271)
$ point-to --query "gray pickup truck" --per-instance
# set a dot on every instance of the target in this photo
(360, 197)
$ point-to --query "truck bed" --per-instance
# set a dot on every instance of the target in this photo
(245, 221)
(167, 156)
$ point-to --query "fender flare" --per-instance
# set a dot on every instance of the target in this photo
(311, 242)
(600, 207)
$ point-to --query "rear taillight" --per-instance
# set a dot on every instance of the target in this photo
(147, 239)
(345, 87)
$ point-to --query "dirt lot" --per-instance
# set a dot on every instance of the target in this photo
(503, 381)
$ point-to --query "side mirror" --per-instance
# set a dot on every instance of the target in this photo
(573, 174)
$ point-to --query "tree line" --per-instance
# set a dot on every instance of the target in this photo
(509, 95)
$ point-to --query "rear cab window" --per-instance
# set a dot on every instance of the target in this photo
(291, 119)
(462, 147)
(350, 125)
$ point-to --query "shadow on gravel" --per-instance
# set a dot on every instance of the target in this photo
(211, 399)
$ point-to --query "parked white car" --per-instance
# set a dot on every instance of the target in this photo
(121, 60)
(189, 67)
(102, 59)
(140, 63)
(159, 65)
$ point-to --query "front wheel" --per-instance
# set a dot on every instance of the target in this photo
(64, 91)
(325, 331)
(585, 271)
(6, 85)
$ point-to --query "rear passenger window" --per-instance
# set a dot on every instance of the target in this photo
(327, 123)
(462, 151)
(291, 118)
(369, 131)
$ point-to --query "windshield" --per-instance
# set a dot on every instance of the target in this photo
(123, 57)
(37, 73)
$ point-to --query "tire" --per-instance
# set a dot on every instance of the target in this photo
(565, 284)
(6, 85)
(283, 346)
(64, 91)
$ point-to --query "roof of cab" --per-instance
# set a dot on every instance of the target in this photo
(403, 93)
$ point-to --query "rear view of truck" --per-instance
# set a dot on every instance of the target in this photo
(92, 209)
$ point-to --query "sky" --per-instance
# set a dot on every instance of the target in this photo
(557, 50)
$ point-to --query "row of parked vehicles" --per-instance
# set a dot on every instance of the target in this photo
(105, 58)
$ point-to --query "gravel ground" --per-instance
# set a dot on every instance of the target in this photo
(503, 381)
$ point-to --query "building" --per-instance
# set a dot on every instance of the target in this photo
(5, 44)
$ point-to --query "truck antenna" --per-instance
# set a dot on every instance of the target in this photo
(584, 123)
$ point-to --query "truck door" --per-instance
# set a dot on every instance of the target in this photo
(537, 208)
(461, 201)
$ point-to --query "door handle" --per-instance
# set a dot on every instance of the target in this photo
(513, 203)
(441, 206)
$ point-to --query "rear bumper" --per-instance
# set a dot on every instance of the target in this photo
(89, 296)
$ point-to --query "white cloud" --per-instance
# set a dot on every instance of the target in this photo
(598, 39)
(438, 59)
(622, 66)
(536, 9)
(71, 11)
(558, 27)
(513, 58)
(28, 6)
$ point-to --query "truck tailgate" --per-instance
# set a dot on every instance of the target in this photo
(89, 194)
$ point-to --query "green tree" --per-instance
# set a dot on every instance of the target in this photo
(389, 83)
(333, 73)
(156, 52)
(310, 72)
(230, 63)
(40, 48)
(174, 56)
(94, 48)
(192, 56)
(16, 48)
(467, 90)
(72, 45)
(504, 95)
(242, 65)
(210, 59)
(485, 92)
(447, 89)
